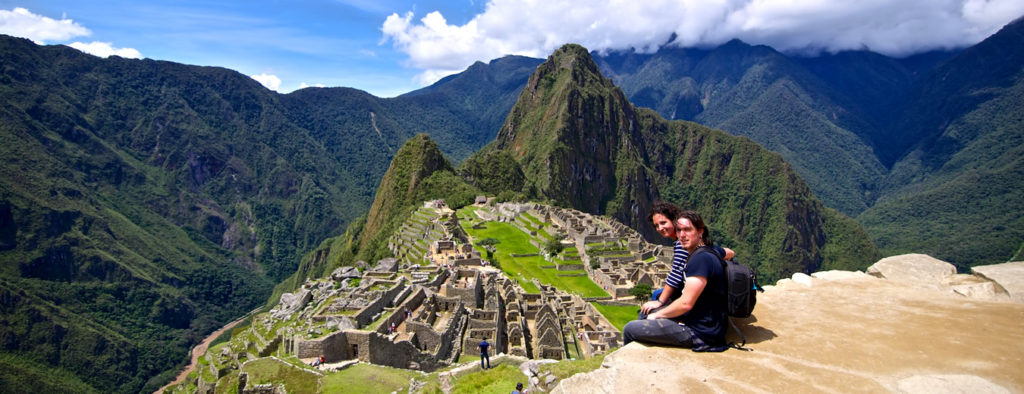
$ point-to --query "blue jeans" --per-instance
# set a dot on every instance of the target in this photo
(658, 331)
(485, 357)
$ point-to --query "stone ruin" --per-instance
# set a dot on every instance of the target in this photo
(422, 310)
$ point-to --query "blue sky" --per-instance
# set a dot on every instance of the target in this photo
(389, 47)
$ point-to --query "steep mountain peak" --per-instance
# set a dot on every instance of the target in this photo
(568, 131)
(413, 164)
(580, 143)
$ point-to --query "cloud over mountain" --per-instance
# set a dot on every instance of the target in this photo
(535, 28)
(20, 22)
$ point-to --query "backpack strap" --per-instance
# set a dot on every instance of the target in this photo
(743, 345)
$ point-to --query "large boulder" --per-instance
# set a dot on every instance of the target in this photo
(1009, 276)
(920, 269)
(343, 273)
(291, 303)
(839, 333)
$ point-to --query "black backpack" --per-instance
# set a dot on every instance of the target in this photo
(740, 290)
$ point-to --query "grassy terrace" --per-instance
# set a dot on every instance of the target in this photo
(365, 378)
(618, 315)
(514, 241)
(535, 224)
(268, 370)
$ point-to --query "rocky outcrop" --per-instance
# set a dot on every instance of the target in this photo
(1009, 277)
(914, 268)
(842, 331)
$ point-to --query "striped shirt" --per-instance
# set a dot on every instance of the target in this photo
(679, 257)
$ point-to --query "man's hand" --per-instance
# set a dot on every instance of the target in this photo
(648, 306)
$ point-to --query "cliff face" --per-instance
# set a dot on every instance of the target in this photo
(581, 144)
(576, 136)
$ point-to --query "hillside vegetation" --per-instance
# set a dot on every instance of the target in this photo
(919, 149)
(582, 145)
(145, 203)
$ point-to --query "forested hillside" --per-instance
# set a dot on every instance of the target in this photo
(581, 144)
(145, 203)
(918, 149)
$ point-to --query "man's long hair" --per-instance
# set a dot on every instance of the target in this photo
(698, 223)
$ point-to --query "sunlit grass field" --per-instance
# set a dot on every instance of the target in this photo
(523, 269)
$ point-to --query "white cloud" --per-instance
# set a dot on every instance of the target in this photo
(269, 81)
(104, 49)
(304, 85)
(536, 28)
(20, 22)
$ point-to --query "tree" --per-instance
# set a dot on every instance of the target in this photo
(641, 292)
(554, 246)
(488, 241)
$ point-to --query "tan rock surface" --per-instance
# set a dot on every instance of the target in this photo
(1009, 276)
(920, 269)
(855, 333)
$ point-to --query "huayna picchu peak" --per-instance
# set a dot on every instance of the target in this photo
(581, 144)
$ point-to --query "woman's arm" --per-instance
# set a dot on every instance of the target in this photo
(694, 286)
(729, 253)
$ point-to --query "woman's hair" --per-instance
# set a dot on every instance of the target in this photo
(669, 210)
(698, 223)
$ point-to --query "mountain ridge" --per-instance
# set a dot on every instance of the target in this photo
(581, 144)
(120, 175)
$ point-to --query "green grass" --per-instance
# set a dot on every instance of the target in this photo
(514, 241)
(227, 384)
(376, 323)
(368, 378)
(566, 368)
(296, 380)
(617, 315)
(499, 379)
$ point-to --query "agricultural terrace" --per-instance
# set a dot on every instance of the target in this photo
(514, 241)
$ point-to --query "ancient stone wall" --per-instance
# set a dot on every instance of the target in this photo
(334, 346)
(366, 315)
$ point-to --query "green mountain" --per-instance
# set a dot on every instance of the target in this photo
(963, 173)
(418, 172)
(756, 92)
(581, 144)
(918, 149)
(144, 203)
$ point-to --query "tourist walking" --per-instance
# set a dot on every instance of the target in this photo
(485, 360)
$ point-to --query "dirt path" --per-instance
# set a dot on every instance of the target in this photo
(200, 349)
